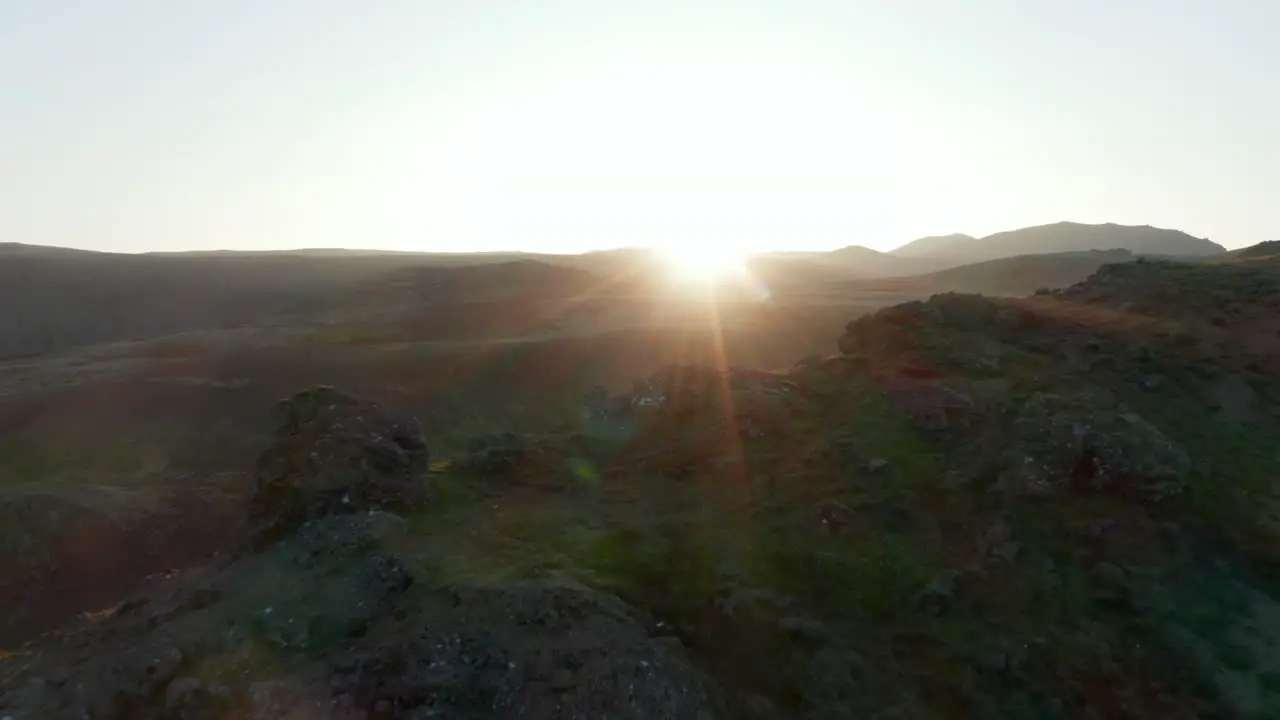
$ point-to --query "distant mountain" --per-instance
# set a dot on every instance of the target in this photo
(858, 253)
(873, 263)
(858, 260)
(801, 272)
(935, 246)
(1063, 237)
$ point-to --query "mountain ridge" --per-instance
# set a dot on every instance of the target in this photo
(1060, 237)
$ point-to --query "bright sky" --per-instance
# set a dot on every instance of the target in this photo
(563, 126)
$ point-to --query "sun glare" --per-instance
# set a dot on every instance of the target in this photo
(705, 262)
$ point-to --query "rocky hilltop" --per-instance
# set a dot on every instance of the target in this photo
(1060, 506)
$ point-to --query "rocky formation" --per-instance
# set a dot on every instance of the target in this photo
(1058, 446)
(1230, 290)
(334, 454)
(325, 618)
(328, 623)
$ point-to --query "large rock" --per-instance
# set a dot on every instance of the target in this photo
(1059, 446)
(188, 647)
(334, 454)
(327, 624)
(532, 649)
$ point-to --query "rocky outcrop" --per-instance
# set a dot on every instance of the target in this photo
(328, 623)
(1059, 446)
(322, 618)
(529, 649)
(192, 643)
(333, 454)
(1227, 291)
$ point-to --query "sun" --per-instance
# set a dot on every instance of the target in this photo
(705, 262)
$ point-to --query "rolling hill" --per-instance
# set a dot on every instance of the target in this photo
(57, 298)
(859, 260)
(934, 245)
(1006, 277)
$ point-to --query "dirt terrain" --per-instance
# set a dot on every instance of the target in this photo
(1062, 506)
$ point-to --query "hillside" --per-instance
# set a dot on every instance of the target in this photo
(1008, 277)
(450, 285)
(1042, 508)
(1267, 249)
(57, 298)
(1060, 237)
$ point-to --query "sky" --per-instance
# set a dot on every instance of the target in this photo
(564, 126)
